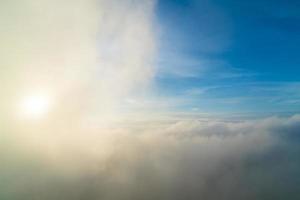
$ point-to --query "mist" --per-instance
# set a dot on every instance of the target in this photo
(179, 160)
(88, 55)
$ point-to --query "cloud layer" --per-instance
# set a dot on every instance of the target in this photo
(174, 160)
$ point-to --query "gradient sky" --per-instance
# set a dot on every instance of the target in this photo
(230, 56)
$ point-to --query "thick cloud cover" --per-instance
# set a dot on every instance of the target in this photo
(175, 160)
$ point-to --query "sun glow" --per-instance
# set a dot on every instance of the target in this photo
(35, 106)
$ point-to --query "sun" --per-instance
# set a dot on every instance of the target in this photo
(35, 106)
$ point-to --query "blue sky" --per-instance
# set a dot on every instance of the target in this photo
(227, 56)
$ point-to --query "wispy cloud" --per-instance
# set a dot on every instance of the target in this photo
(186, 66)
(239, 96)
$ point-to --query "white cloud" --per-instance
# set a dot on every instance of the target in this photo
(191, 159)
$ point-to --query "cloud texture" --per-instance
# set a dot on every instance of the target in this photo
(173, 160)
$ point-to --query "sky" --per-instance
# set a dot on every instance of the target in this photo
(149, 99)
(230, 56)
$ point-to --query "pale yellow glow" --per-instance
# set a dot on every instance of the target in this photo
(35, 106)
